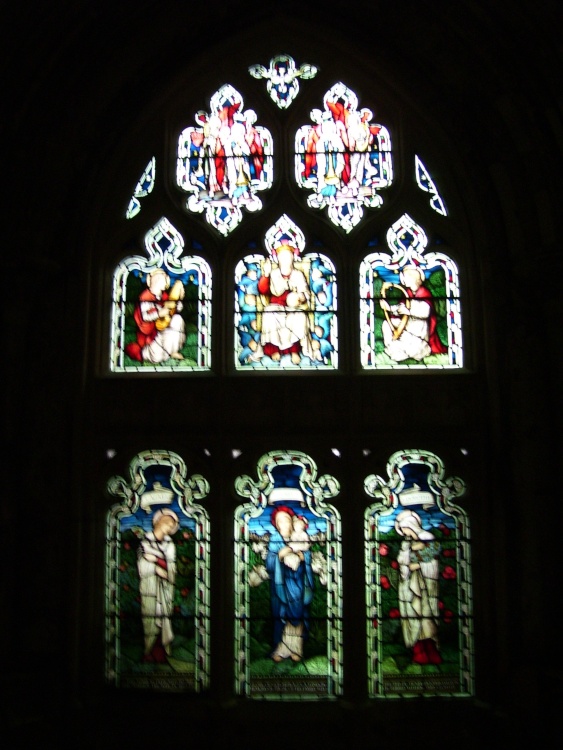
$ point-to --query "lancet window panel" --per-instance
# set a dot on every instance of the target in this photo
(286, 305)
(288, 594)
(410, 306)
(161, 316)
(418, 581)
(157, 577)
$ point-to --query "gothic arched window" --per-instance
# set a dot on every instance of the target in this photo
(286, 294)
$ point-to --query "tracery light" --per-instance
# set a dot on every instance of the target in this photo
(426, 183)
(142, 189)
(282, 78)
(343, 158)
(224, 161)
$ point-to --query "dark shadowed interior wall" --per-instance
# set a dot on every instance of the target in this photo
(90, 92)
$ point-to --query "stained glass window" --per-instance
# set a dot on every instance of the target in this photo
(161, 318)
(286, 316)
(285, 305)
(426, 183)
(157, 577)
(224, 161)
(283, 78)
(142, 189)
(344, 158)
(418, 581)
(288, 627)
(410, 315)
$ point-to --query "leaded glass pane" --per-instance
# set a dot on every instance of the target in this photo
(285, 305)
(343, 158)
(157, 577)
(288, 626)
(410, 314)
(418, 581)
(142, 189)
(161, 318)
(224, 161)
(426, 183)
(283, 78)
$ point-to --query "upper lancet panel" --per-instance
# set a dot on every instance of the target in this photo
(161, 314)
(285, 305)
(230, 173)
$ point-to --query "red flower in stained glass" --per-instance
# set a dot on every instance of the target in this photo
(449, 573)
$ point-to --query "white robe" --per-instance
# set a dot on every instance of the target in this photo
(418, 597)
(157, 594)
(283, 327)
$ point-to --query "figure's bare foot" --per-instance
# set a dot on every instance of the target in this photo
(276, 356)
(295, 657)
(176, 355)
(295, 358)
(277, 658)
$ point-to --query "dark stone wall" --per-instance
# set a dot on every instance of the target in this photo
(82, 85)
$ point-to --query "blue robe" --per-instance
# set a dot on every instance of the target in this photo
(291, 591)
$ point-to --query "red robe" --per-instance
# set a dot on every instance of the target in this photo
(146, 329)
(436, 345)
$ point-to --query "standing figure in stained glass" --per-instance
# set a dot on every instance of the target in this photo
(286, 318)
(409, 329)
(160, 329)
(291, 587)
(326, 143)
(418, 588)
(156, 564)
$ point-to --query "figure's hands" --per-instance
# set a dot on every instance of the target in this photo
(292, 561)
(295, 299)
(384, 304)
(267, 267)
(161, 572)
(402, 309)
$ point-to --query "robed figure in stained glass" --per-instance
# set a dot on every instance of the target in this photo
(291, 584)
(157, 577)
(418, 581)
(287, 585)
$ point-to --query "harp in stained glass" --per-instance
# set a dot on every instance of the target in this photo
(410, 308)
